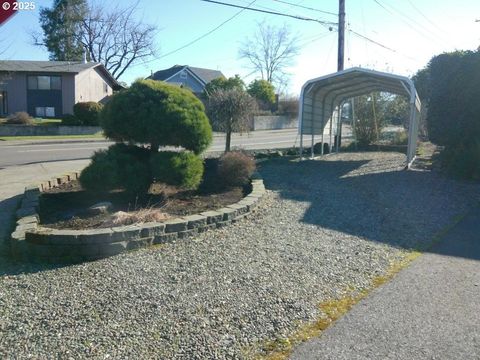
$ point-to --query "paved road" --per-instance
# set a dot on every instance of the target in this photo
(430, 310)
(22, 152)
(13, 181)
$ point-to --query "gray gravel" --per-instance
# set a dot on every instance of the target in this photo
(325, 226)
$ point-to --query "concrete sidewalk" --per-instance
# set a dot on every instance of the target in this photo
(431, 310)
(13, 181)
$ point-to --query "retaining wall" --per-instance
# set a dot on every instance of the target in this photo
(274, 122)
(33, 242)
(47, 130)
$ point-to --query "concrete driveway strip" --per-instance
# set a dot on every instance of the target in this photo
(431, 310)
(13, 181)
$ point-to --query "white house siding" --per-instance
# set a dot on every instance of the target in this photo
(89, 86)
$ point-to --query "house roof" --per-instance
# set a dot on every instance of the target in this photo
(45, 66)
(73, 67)
(205, 75)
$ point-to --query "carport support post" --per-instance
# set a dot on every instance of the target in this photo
(354, 133)
(339, 128)
(313, 143)
(412, 139)
(301, 141)
(330, 147)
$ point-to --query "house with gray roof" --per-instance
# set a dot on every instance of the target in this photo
(191, 77)
(51, 88)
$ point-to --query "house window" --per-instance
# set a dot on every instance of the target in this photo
(55, 83)
(50, 112)
(42, 111)
(183, 75)
(44, 83)
(105, 88)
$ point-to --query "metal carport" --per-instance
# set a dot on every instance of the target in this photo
(321, 99)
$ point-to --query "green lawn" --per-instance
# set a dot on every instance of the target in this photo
(43, 122)
(40, 122)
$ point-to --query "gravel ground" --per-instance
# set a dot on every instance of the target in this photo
(324, 227)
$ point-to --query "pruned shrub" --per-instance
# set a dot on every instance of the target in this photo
(235, 168)
(88, 113)
(120, 166)
(101, 174)
(450, 85)
(159, 114)
(70, 120)
(184, 169)
(463, 160)
(19, 118)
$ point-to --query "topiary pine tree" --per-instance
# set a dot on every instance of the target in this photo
(159, 114)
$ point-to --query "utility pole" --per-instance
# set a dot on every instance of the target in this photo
(341, 34)
(340, 61)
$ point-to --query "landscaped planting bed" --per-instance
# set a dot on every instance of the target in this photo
(56, 225)
(67, 206)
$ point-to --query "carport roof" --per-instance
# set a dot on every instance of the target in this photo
(358, 81)
(321, 97)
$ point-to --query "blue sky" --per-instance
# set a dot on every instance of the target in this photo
(412, 30)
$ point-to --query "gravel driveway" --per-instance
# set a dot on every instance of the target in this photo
(324, 226)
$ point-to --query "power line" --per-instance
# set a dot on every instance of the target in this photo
(371, 40)
(306, 7)
(202, 36)
(409, 21)
(379, 44)
(273, 9)
(315, 38)
(424, 16)
(325, 23)
(209, 32)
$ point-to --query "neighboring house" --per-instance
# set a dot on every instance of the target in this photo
(51, 88)
(187, 76)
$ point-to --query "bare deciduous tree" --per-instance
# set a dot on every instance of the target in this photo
(270, 51)
(113, 37)
(230, 111)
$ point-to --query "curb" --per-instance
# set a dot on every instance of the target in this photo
(32, 242)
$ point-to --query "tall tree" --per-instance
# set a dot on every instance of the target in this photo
(270, 52)
(113, 37)
(230, 111)
(61, 26)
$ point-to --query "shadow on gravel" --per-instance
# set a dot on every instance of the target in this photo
(8, 265)
(376, 200)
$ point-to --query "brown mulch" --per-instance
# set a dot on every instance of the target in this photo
(65, 207)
